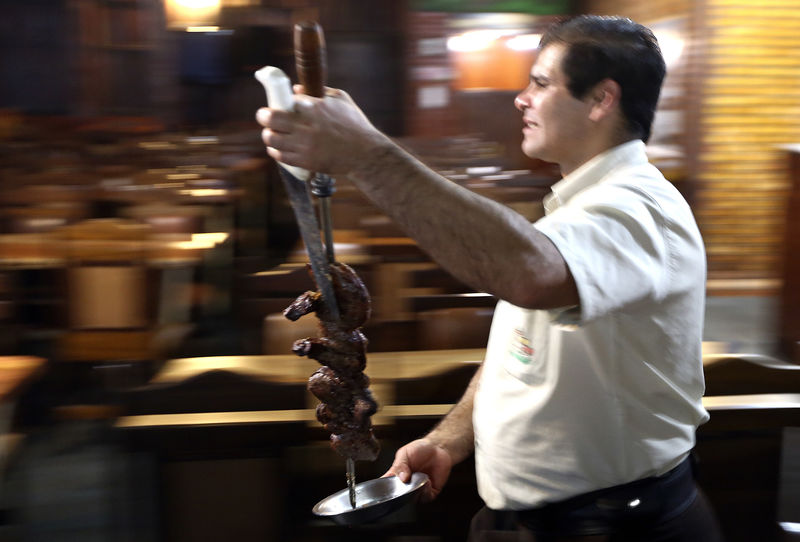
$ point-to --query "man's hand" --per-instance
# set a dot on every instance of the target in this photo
(423, 455)
(327, 135)
(450, 442)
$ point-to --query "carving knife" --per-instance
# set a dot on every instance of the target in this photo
(280, 96)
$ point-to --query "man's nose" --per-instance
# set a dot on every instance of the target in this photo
(520, 102)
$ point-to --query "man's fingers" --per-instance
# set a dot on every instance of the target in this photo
(303, 106)
(263, 115)
(338, 93)
(399, 472)
(287, 157)
(403, 475)
(275, 153)
(271, 138)
(400, 469)
(334, 92)
(280, 121)
(295, 142)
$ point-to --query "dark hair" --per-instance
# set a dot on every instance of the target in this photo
(615, 48)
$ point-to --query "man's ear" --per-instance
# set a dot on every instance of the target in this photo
(606, 96)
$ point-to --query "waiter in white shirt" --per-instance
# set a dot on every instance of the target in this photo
(583, 415)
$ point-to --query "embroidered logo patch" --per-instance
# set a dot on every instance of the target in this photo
(521, 347)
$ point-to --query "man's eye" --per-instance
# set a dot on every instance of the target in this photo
(540, 83)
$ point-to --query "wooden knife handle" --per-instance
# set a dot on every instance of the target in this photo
(310, 57)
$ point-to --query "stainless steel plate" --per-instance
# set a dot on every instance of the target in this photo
(374, 499)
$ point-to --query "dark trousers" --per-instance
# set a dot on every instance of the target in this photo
(668, 508)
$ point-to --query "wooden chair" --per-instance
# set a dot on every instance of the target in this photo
(428, 302)
(217, 436)
(738, 455)
(743, 374)
(461, 327)
(215, 390)
(169, 218)
(446, 387)
(286, 281)
(111, 295)
(789, 486)
(436, 277)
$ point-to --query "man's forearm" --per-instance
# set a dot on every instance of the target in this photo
(481, 242)
(454, 432)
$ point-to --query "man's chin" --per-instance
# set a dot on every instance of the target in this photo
(533, 151)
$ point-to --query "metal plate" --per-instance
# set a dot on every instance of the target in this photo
(374, 499)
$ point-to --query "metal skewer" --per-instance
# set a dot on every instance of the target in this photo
(351, 481)
(322, 187)
(311, 64)
(312, 67)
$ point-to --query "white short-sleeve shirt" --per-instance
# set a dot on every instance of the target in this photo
(609, 391)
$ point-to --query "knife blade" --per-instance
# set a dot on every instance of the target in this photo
(279, 96)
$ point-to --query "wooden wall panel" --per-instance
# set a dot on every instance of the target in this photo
(748, 104)
(429, 110)
(116, 55)
(670, 21)
(742, 100)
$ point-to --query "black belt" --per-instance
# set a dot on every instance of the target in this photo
(620, 508)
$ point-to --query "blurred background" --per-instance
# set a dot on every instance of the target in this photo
(147, 248)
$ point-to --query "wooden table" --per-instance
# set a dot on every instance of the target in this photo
(385, 369)
(45, 250)
(381, 366)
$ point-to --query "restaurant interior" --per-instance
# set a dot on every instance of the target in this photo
(148, 388)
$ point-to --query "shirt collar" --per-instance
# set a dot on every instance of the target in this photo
(593, 171)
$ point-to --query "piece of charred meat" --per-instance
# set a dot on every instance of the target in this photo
(351, 296)
(346, 403)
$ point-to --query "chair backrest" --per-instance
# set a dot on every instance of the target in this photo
(111, 293)
(789, 482)
(289, 280)
(461, 327)
(216, 390)
(446, 387)
(743, 374)
(436, 277)
(107, 276)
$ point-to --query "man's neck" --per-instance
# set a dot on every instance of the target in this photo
(592, 151)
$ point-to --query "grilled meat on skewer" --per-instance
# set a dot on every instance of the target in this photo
(347, 352)
(340, 384)
(351, 296)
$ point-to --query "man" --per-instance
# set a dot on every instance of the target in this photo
(584, 412)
